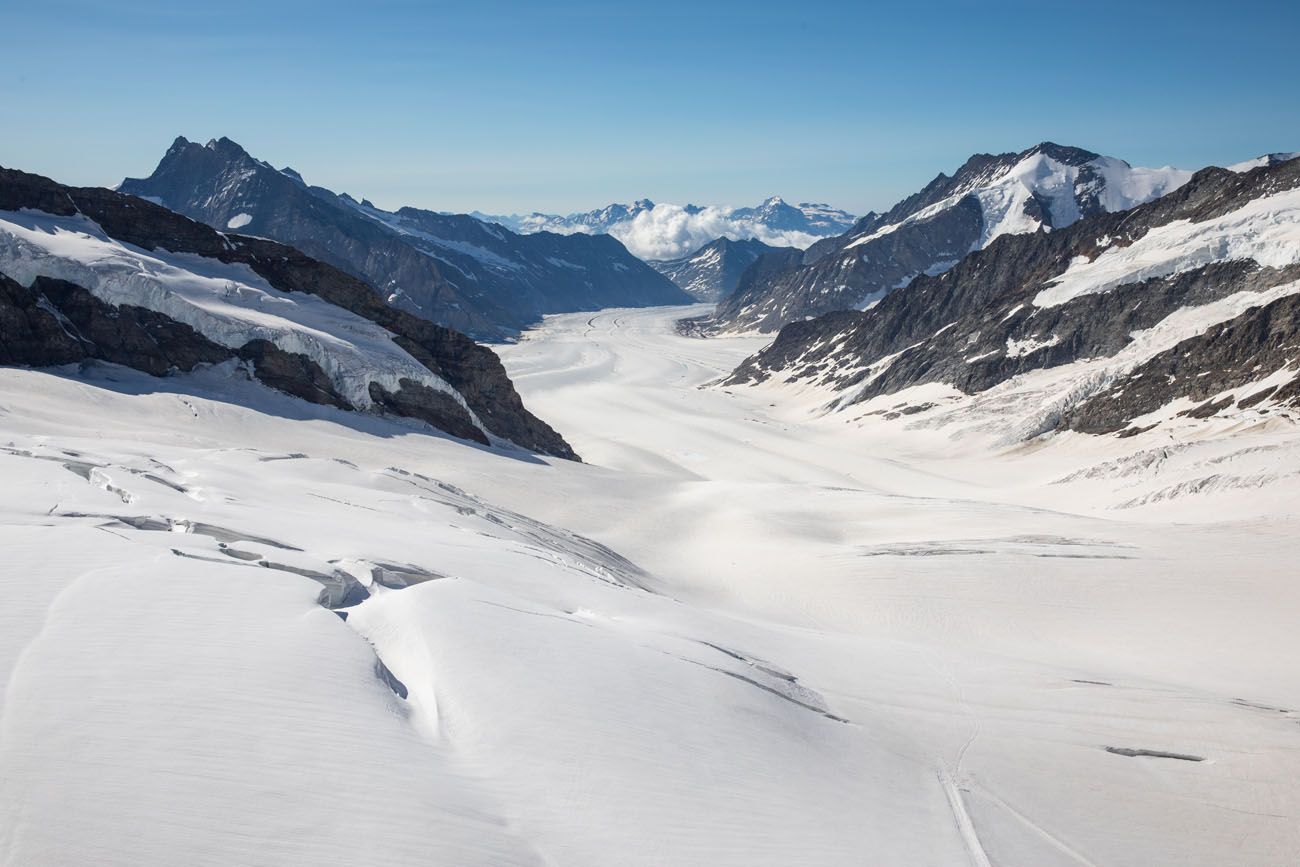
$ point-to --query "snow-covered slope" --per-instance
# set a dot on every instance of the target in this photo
(1044, 188)
(1265, 160)
(664, 231)
(1047, 187)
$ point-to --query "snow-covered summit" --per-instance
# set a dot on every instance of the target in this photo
(1046, 187)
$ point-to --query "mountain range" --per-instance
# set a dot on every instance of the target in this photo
(665, 232)
(455, 270)
(1184, 308)
(1044, 188)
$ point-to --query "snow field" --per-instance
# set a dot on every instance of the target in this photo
(745, 633)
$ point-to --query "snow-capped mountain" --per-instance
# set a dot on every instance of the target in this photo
(95, 275)
(1047, 187)
(452, 269)
(713, 272)
(667, 232)
(1185, 308)
(588, 222)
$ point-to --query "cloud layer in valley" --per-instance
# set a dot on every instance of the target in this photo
(672, 231)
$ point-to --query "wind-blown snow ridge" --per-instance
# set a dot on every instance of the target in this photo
(227, 303)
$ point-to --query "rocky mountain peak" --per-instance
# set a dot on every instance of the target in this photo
(1071, 156)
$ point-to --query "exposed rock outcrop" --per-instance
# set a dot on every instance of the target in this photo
(1231, 357)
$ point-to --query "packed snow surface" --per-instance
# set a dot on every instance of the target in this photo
(745, 633)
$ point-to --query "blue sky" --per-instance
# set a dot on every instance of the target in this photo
(564, 106)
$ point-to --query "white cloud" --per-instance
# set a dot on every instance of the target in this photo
(670, 231)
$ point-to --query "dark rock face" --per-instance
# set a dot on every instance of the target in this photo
(713, 272)
(55, 322)
(1231, 355)
(451, 269)
(416, 400)
(959, 328)
(293, 373)
(859, 267)
(32, 331)
(67, 323)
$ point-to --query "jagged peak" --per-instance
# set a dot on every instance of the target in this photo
(1062, 153)
(227, 147)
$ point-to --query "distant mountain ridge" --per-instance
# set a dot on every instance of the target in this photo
(713, 272)
(451, 269)
(1046, 187)
(663, 232)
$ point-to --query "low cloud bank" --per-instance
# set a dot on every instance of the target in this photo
(671, 231)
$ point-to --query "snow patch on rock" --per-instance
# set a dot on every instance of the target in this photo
(227, 303)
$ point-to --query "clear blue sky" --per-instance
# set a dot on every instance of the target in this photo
(571, 105)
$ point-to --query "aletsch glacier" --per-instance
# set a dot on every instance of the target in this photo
(857, 603)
